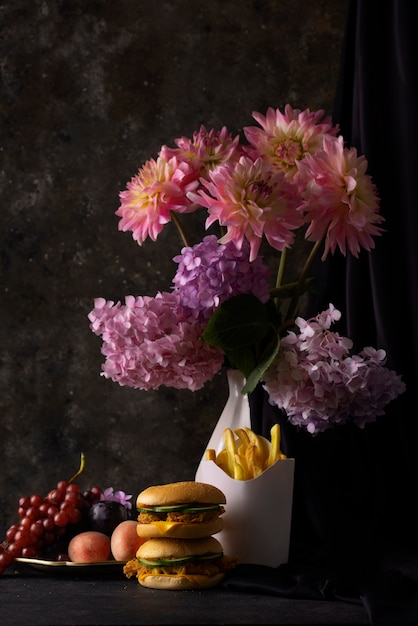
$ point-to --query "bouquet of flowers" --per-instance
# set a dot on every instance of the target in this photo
(292, 173)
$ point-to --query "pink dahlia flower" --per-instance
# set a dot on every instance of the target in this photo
(159, 187)
(206, 150)
(149, 342)
(340, 199)
(251, 201)
(286, 138)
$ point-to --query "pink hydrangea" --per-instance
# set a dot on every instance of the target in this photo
(149, 342)
(316, 381)
(373, 388)
(209, 273)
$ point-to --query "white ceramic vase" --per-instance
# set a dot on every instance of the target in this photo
(236, 413)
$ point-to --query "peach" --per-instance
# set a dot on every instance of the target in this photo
(124, 541)
(89, 547)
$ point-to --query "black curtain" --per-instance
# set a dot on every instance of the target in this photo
(355, 489)
(376, 107)
(354, 534)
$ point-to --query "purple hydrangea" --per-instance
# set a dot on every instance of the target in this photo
(209, 273)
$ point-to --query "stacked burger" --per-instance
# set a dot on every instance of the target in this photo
(176, 522)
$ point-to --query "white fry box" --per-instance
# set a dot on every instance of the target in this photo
(257, 514)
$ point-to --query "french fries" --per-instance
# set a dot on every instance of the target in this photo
(247, 455)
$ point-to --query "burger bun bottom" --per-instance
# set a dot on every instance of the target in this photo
(179, 583)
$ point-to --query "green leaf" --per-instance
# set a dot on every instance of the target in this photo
(242, 359)
(239, 322)
(254, 377)
(245, 329)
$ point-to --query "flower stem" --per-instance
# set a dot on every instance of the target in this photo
(279, 276)
(282, 264)
(179, 228)
(302, 278)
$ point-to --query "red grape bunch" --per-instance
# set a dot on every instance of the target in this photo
(44, 521)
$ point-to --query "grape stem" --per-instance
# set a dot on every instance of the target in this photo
(80, 469)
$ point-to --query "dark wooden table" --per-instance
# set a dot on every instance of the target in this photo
(29, 597)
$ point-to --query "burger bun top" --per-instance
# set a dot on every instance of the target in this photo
(179, 493)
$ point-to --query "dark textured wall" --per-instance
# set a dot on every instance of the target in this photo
(89, 91)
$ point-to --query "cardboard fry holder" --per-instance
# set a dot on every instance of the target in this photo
(257, 514)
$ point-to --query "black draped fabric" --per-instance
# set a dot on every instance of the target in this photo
(355, 489)
(376, 107)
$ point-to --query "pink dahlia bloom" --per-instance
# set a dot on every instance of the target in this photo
(340, 199)
(316, 381)
(159, 187)
(251, 201)
(206, 150)
(149, 342)
(286, 138)
(209, 273)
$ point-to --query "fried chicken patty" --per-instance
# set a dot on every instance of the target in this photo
(178, 516)
(206, 568)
